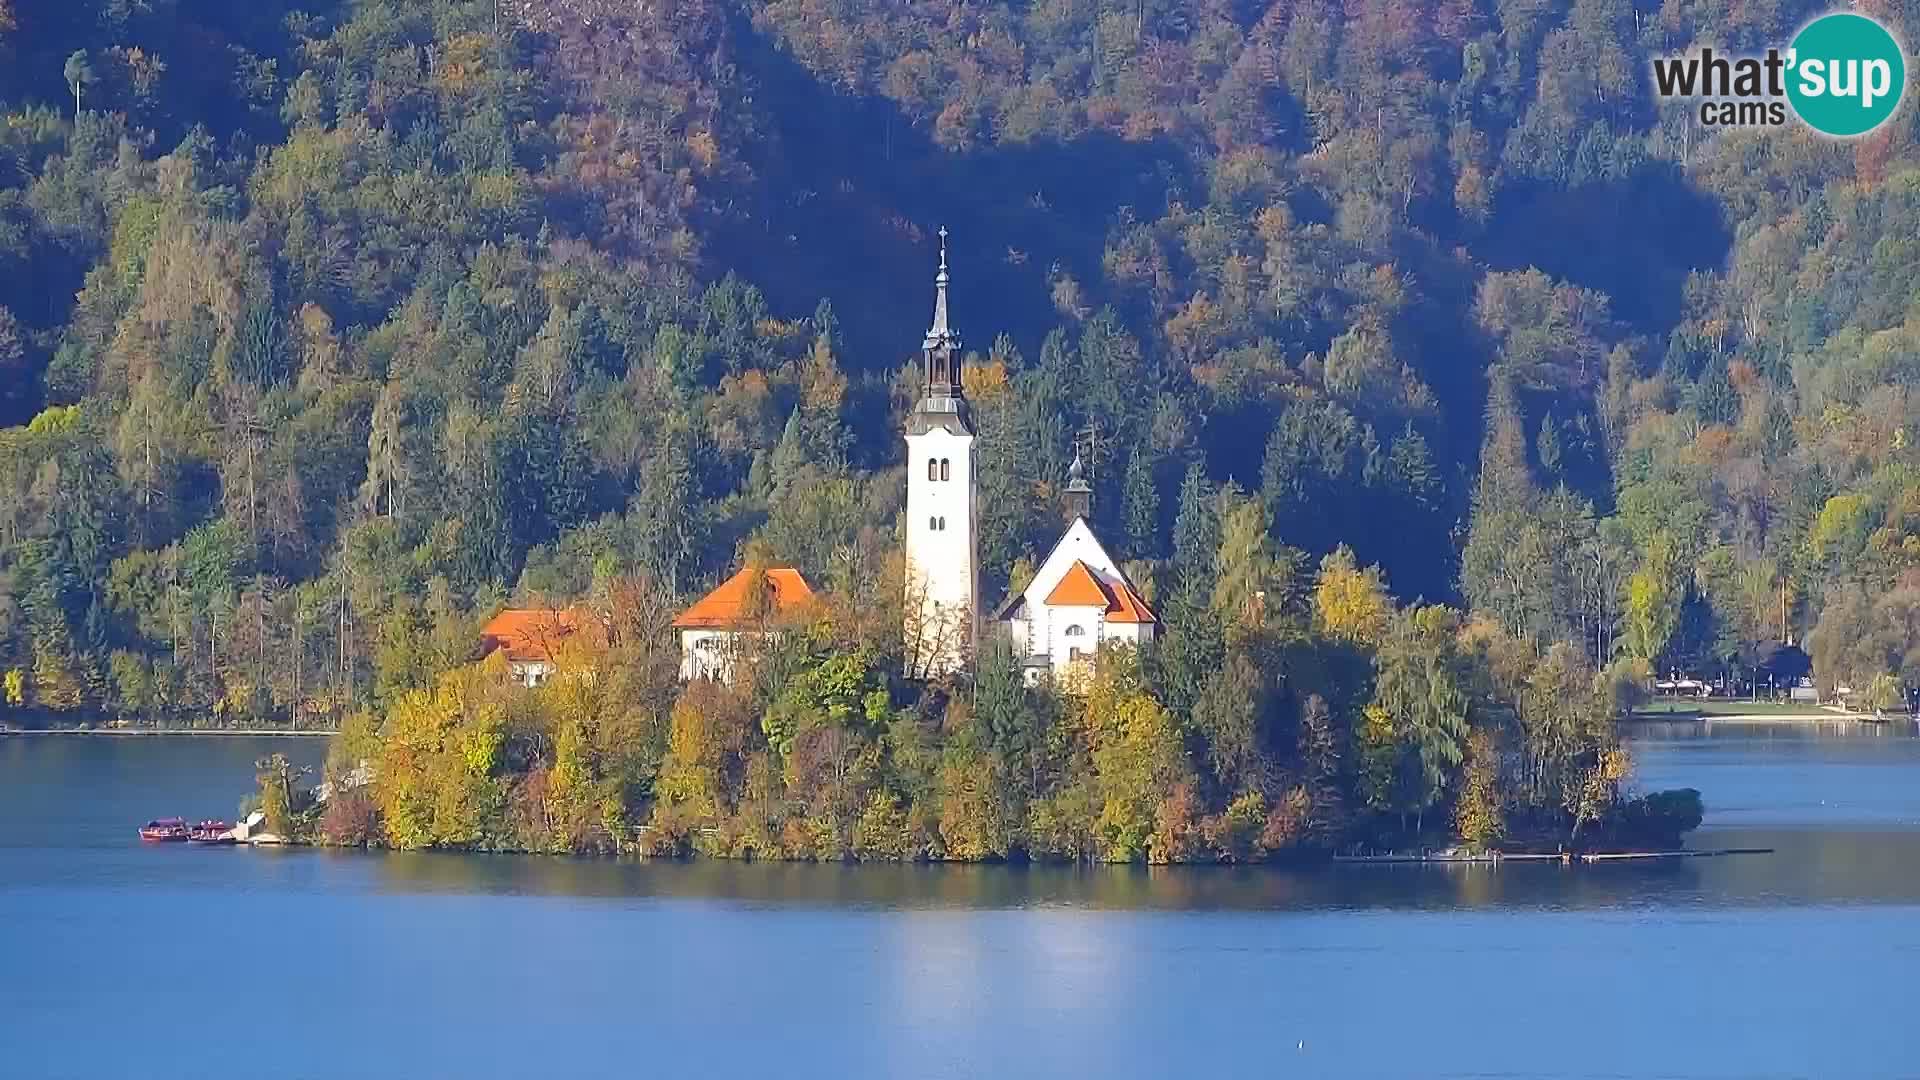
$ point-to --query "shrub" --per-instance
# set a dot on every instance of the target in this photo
(350, 819)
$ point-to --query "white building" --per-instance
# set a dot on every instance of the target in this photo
(1078, 600)
(746, 606)
(942, 543)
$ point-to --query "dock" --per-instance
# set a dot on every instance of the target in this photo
(1568, 857)
(1606, 856)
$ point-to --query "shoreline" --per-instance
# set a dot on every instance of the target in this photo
(222, 732)
(1761, 718)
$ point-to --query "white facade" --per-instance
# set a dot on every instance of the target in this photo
(1055, 638)
(530, 673)
(707, 654)
(943, 550)
(715, 653)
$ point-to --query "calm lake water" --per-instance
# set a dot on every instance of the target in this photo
(118, 960)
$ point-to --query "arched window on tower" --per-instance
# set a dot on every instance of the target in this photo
(933, 469)
(945, 471)
(933, 524)
(1076, 631)
(943, 524)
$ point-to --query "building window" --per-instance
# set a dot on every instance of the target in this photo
(933, 469)
(943, 524)
(945, 474)
(933, 524)
(1076, 631)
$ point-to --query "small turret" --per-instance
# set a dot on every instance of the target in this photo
(1079, 493)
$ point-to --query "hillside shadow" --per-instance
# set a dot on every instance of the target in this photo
(847, 194)
(1636, 239)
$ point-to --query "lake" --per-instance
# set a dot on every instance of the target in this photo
(123, 960)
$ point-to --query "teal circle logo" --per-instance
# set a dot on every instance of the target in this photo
(1846, 74)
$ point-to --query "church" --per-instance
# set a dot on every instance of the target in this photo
(1078, 600)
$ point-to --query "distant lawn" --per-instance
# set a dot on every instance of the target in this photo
(1667, 708)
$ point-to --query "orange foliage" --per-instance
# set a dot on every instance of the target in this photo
(984, 382)
(1744, 376)
(1714, 445)
(463, 60)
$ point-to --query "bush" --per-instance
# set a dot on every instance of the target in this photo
(351, 819)
(1662, 818)
(1623, 684)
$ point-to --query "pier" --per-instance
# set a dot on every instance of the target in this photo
(1494, 857)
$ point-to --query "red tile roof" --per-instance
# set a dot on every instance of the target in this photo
(1129, 608)
(528, 634)
(1081, 587)
(1078, 587)
(723, 607)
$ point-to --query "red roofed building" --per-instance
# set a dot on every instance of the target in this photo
(530, 638)
(712, 630)
(1078, 600)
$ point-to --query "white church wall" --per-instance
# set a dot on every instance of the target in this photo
(942, 548)
(1073, 633)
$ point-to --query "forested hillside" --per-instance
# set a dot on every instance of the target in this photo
(327, 327)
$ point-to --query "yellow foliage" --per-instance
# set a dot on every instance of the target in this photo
(704, 148)
(1273, 223)
(971, 802)
(54, 420)
(883, 831)
(433, 780)
(463, 59)
(823, 386)
(498, 192)
(984, 382)
(689, 774)
(1478, 815)
(1138, 759)
(1349, 603)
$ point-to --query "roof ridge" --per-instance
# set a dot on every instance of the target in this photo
(721, 608)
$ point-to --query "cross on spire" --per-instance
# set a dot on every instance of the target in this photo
(942, 400)
(940, 334)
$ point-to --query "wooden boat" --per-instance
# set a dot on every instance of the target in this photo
(212, 832)
(165, 830)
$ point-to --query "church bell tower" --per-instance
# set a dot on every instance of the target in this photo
(943, 558)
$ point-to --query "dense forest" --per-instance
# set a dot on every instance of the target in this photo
(328, 327)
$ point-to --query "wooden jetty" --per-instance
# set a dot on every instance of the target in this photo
(1613, 856)
(1568, 857)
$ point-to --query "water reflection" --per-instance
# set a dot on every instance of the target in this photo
(1795, 964)
(1808, 867)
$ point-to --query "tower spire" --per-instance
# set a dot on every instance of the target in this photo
(940, 333)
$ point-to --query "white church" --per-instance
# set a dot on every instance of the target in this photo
(1078, 600)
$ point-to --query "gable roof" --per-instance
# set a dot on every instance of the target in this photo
(1079, 588)
(1120, 599)
(528, 634)
(724, 607)
(1128, 607)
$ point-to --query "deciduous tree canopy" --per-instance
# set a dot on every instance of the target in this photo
(328, 325)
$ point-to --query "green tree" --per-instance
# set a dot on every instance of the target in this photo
(1653, 600)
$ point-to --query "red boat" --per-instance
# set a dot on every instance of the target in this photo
(212, 832)
(165, 830)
